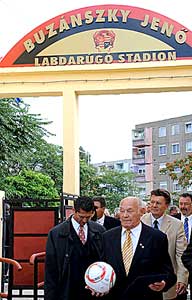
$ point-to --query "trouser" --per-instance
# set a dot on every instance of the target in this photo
(182, 297)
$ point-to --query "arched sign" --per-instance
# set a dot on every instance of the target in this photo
(103, 34)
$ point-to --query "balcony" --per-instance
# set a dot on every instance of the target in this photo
(138, 159)
(140, 178)
(138, 143)
(142, 137)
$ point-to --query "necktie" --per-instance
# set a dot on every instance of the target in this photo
(127, 252)
(156, 224)
(186, 228)
(82, 235)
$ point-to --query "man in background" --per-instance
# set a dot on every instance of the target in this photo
(174, 211)
(173, 228)
(107, 221)
(185, 206)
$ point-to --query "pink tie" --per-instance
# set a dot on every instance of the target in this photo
(82, 235)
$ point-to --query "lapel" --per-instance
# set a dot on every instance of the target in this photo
(147, 219)
(141, 246)
(117, 249)
(166, 223)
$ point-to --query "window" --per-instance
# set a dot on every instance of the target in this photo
(176, 186)
(162, 150)
(177, 170)
(119, 166)
(175, 148)
(175, 129)
(162, 131)
(110, 167)
(162, 166)
(163, 185)
(189, 146)
(141, 171)
(188, 127)
(138, 134)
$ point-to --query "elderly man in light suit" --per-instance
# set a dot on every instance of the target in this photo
(159, 202)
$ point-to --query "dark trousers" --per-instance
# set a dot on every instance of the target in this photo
(182, 297)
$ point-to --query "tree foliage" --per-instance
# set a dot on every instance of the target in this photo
(21, 133)
(48, 159)
(184, 166)
(30, 184)
(89, 181)
(24, 149)
(114, 185)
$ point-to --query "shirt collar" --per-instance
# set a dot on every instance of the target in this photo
(134, 231)
(101, 220)
(160, 220)
(183, 217)
(76, 225)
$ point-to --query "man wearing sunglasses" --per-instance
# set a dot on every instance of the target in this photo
(71, 247)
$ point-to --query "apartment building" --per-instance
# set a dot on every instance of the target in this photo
(155, 144)
(124, 165)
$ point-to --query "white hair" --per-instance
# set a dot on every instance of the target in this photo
(139, 201)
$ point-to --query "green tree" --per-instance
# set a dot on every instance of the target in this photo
(84, 155)
(184, 165)
(48, 159)
(89, 181)
(115, 185)
(21, 133)
(30, 184)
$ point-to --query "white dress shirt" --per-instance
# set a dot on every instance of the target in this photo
(101, 220)
(134, 234)
(160, 220)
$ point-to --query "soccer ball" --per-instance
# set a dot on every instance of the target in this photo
(100, 277)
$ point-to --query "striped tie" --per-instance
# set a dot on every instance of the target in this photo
(127, 251)
(186, 228)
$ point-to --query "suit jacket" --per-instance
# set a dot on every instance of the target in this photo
(177, 244)
(187, 259)
(59, 249)
(151, 257)
(110, 222)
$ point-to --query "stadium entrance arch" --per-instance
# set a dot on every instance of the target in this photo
(107, 49)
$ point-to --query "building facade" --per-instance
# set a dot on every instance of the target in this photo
(155, 144)
(124, 165)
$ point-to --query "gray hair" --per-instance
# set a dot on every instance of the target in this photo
(139, 201)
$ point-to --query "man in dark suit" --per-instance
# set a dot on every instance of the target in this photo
(71, 247)
(187, 261)
(185, 206)
(107, 221)
(148, 257)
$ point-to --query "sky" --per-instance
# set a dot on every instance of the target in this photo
(105, 121)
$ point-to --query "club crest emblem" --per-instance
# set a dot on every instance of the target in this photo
(104, 40)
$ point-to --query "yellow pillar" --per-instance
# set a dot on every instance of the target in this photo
(70, 142)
